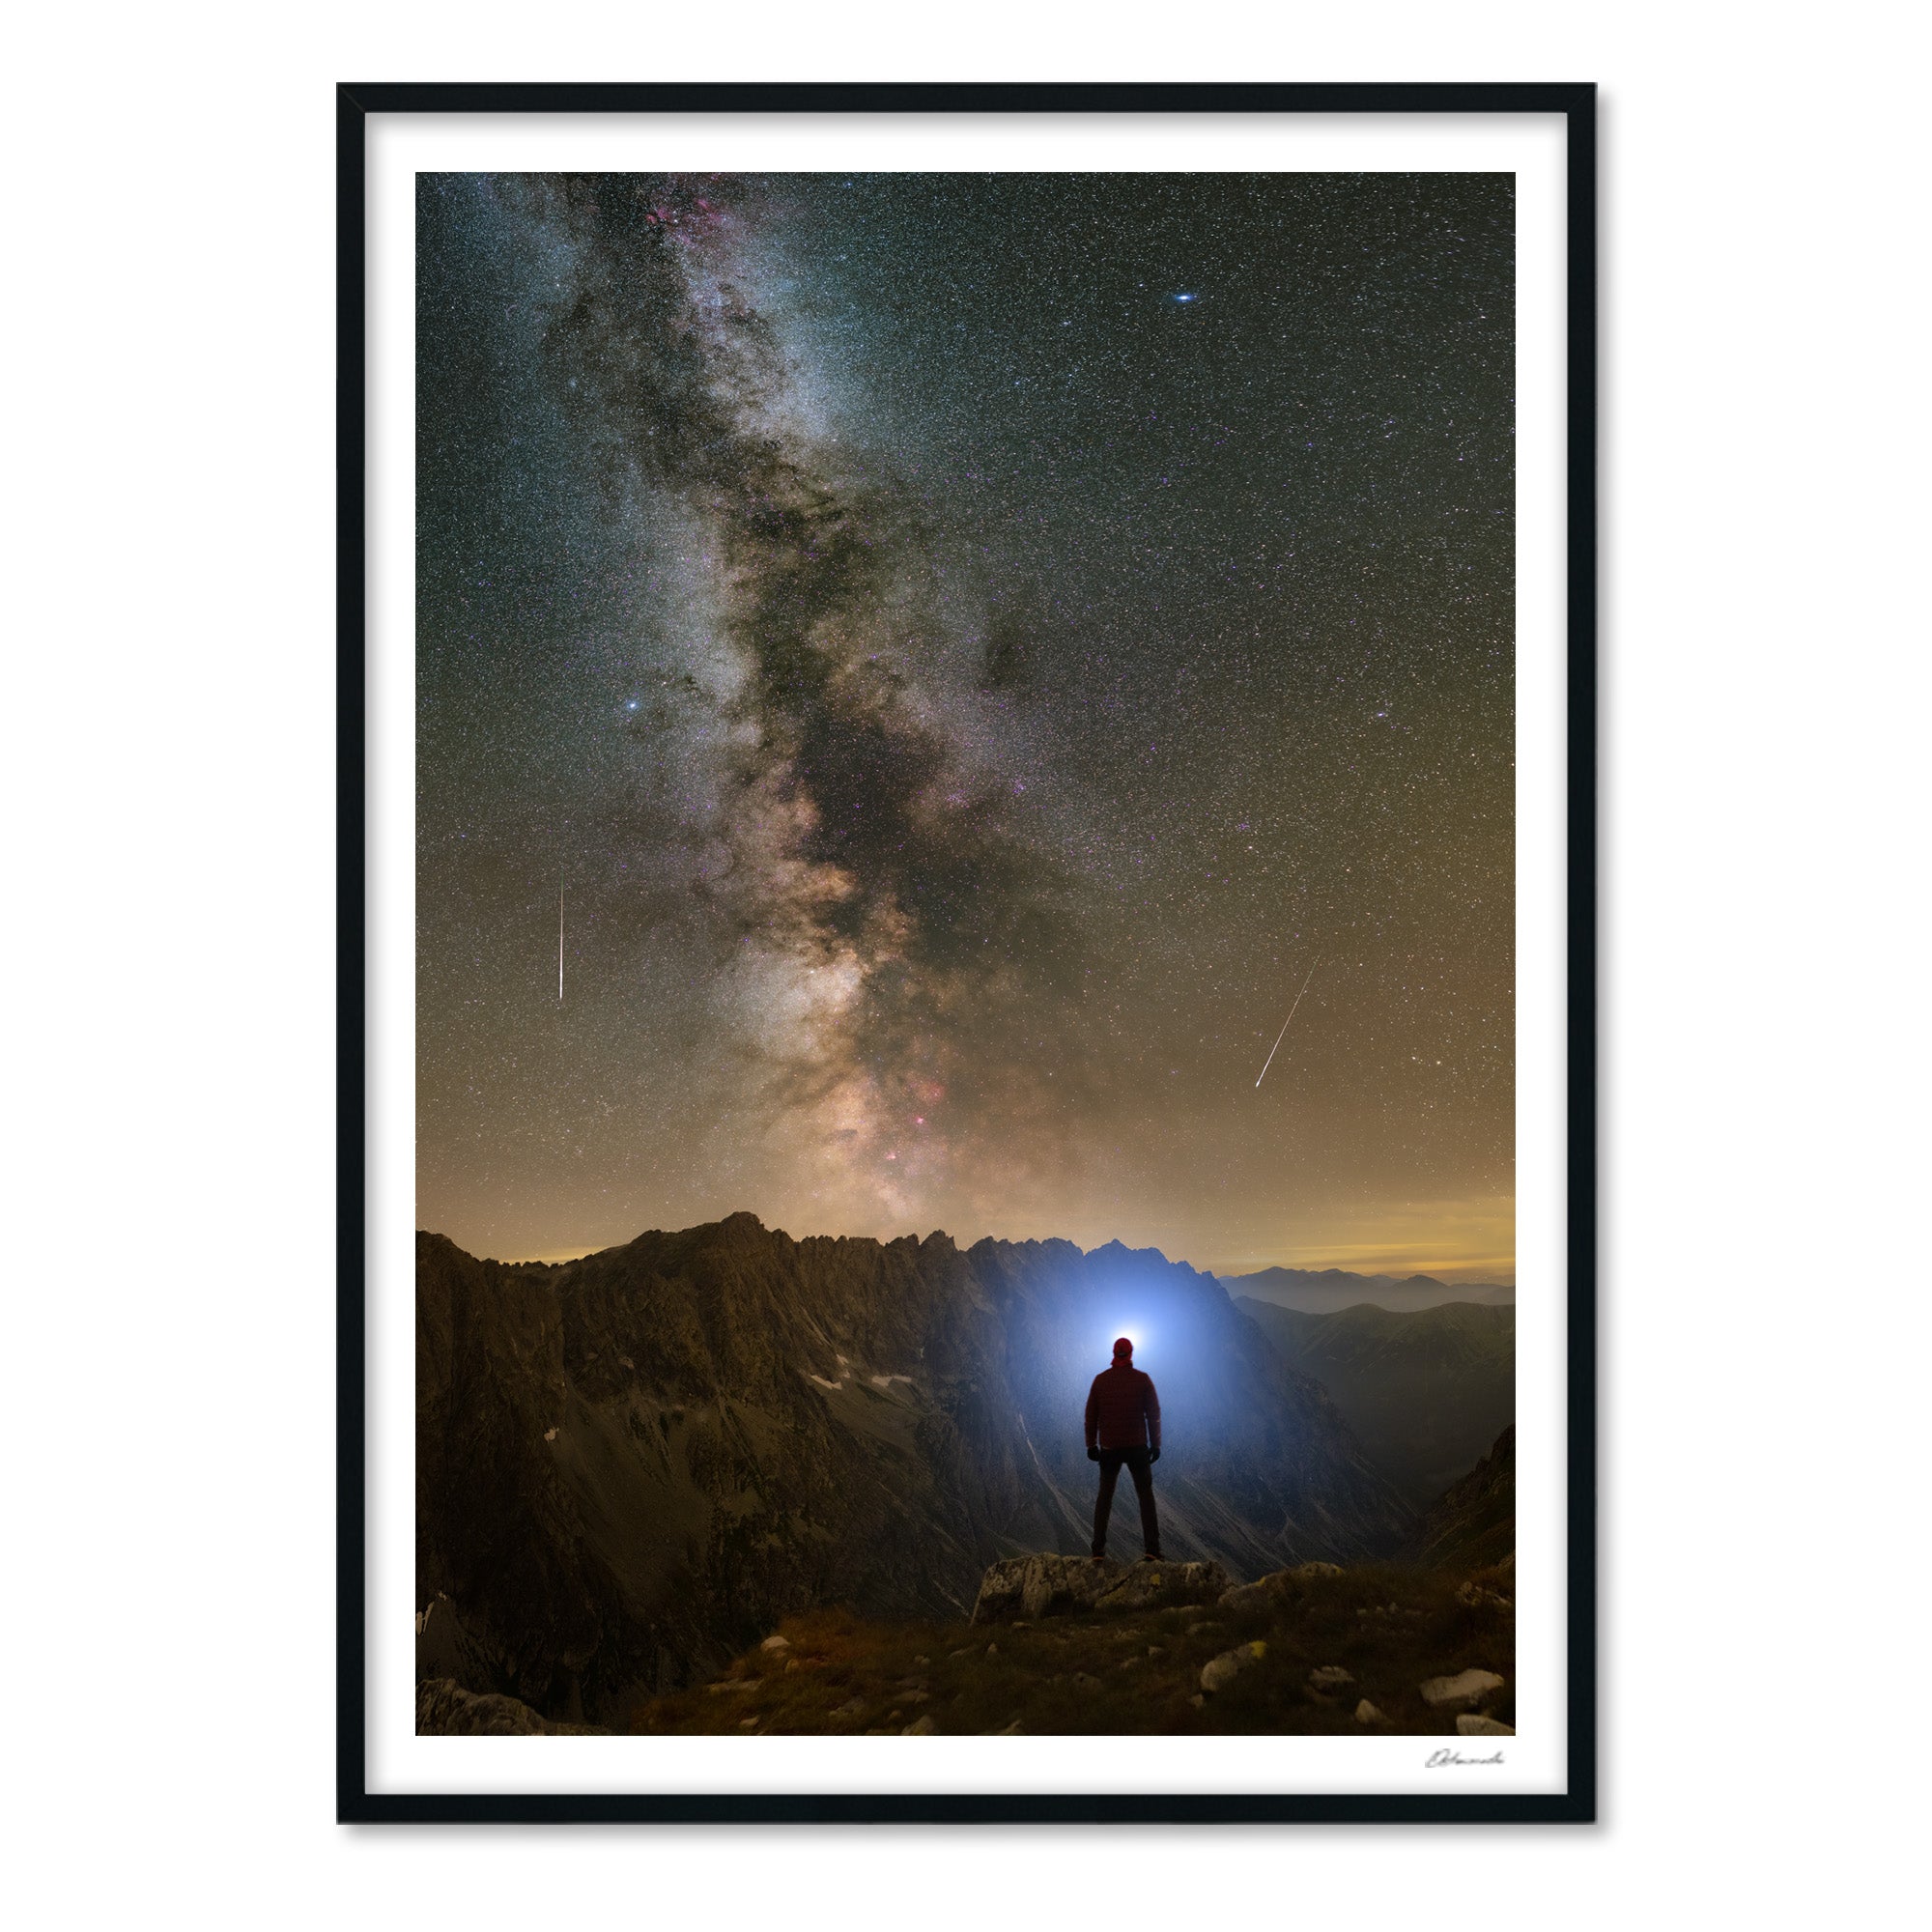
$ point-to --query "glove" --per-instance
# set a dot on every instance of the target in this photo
(1153, 1453)
(1093, 1455)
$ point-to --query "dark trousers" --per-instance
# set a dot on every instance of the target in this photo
(1141, 1472)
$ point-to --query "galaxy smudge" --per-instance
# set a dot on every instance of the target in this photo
(901, 957)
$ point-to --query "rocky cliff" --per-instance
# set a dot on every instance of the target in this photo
(629, 1465)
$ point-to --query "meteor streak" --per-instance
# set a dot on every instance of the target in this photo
(1278, 1039)
(560, 950)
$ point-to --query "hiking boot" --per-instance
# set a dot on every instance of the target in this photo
(1154, 1556)
(1097, 1559)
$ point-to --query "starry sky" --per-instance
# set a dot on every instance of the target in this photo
(966, 649)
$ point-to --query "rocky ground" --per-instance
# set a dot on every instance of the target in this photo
(1058, 1646)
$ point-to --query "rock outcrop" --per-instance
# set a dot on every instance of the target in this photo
(446, 1710)
(1035, 1588)
(1276, 1585)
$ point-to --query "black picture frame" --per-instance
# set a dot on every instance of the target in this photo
(1576, 103)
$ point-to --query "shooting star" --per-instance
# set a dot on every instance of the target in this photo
(559, 943)
(1280, 1036)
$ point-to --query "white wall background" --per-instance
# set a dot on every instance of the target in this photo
(168, 665)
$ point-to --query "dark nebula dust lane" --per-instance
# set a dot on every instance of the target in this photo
(962, 644)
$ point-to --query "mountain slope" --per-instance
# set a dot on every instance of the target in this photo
(1473, 1522)
(1424, 1392)
(629, 1465)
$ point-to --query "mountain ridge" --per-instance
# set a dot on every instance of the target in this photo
(1325, 1290)
(629, 1463)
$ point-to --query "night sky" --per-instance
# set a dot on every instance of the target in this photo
(966, 648)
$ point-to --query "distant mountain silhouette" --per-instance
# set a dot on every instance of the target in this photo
(631, 1465)
(1425, 1392)
(1323, 1291)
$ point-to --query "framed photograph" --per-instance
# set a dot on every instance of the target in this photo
(967, 929)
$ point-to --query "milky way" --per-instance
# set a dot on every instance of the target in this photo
(963, 642)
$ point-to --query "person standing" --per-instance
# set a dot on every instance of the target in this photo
(1124, 1426)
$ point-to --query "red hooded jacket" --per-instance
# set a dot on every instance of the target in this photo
(1122, 1411)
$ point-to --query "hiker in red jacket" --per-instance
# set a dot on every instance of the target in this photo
(1124, 1425)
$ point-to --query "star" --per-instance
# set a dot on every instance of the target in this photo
(1007, 718)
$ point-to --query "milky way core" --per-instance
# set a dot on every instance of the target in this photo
(962, 642)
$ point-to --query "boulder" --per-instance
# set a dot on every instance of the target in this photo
(1478, 1599)
(922, 1727)
(1275, 1585)
(1329, 1677)
(1459, 1692)
(1366, 1713)
(1469, 1726)
(446, 1710)
(1029, 1588)
(776, 1643)
(1218, 1672)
